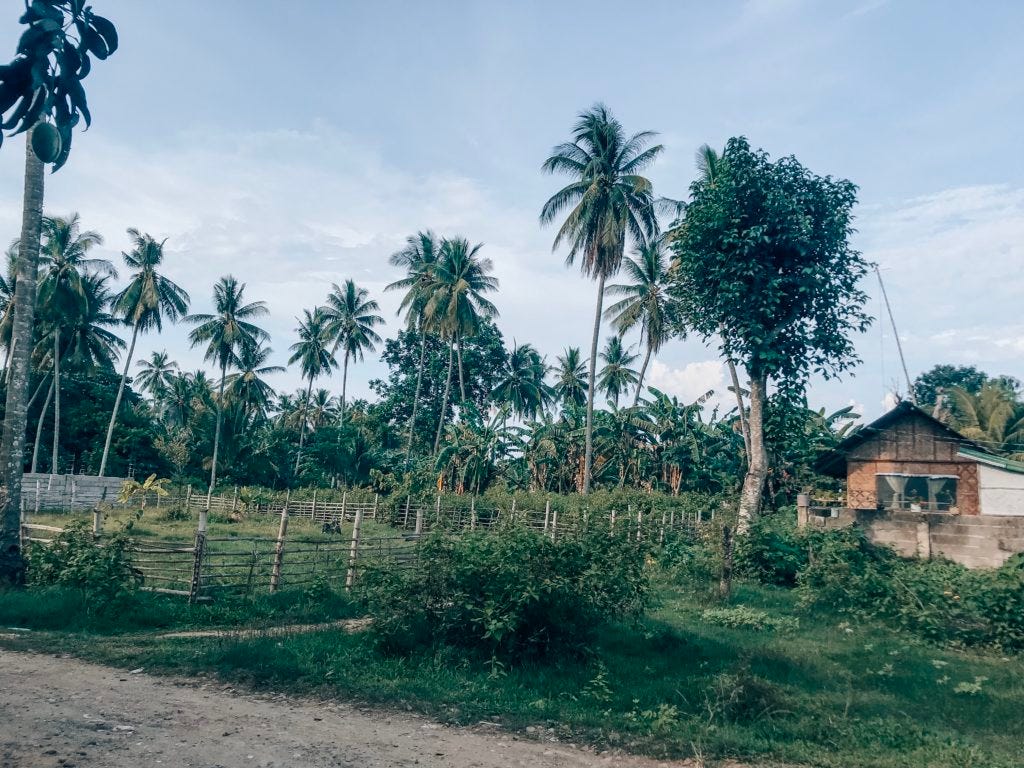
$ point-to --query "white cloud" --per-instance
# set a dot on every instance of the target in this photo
(691, 381)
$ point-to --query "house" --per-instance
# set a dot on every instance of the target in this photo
(908, 460)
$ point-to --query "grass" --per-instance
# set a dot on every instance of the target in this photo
(803, 688)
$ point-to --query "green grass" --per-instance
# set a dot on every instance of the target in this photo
(823, 693)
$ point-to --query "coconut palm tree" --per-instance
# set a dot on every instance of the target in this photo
(645, 303)
(351, 317)
(993, 417)
(571, 378)
(608, 202)
(225, 333)
(418, 258)
(65, 259)
(145, 302)
(522, 386)
(616, 375)
(457, 303)
(89, 345)
(8, 288)
(156, 374)
(323, 408)
(247, 387)
(313, 354)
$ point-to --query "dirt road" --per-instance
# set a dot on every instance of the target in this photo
(64, 713)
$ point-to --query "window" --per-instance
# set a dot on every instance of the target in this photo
(924, 492)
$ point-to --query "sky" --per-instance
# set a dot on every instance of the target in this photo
(296, 144)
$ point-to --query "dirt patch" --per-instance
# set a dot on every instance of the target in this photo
(345, 625)
(62, 713)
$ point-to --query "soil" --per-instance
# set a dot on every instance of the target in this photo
(59, 712)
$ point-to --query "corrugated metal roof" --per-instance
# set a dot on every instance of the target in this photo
(993, 461)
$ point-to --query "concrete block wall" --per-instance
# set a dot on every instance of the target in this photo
(975, 541)
(67, 492)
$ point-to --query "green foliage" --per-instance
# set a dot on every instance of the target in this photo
(507, 595)
(774, 551)
(742, 617)
(102, 569)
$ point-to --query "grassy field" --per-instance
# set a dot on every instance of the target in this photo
(781, 685)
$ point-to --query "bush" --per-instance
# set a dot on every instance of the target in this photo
(774, 551)
(506, 594)
(100, 568)
(742, 617)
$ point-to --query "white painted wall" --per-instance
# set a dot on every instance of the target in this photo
(1001, 492)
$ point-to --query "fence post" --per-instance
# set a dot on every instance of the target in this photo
(37, 497)
(547, 514)
(376, 497)
(639, 522)
(472, 513)
(344, 503)
(234, 501)
(512, 514)
(282, 531)
(554, 524)
(661, 535)
(611, 527)
(437, 510)
(188, 502)
(197, 558)
(419, 520)
(97, 521)
(312, 509)
(74, 487)
(405, 520)
(725, 583)
(803, 511)
(353, 553)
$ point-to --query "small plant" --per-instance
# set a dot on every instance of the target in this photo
(972, 688)
(132, 490)
(597, 688)
(741, 617)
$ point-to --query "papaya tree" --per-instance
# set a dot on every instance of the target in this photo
(41, 95)
(764, 265)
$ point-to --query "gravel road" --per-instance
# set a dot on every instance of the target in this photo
(58, 712)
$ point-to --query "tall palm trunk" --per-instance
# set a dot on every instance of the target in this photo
(444, 400)
(744, 428)
(588, 456)
(39, 426)
(462, 379)
(416, 399)
(216, 433)
(56, 401)
(117, 400)
(757, 467)
(12, 447)
(344, 383)
(640, 378)
(305, 418)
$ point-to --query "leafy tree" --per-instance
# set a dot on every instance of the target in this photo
(156, 374)
(645, 303)
(225, 333)
(148, 298)
(616, 375)
(351, 317)
(764, 263)
(607, 201)
(571, 378)
(934, 388)
(313, 354)
(522, 385)
(42, 84)
(61, 290)
(418, 258)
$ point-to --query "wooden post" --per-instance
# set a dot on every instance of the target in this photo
(234, 501)
(74, 487)
(312, 509)
(405, 520)
(353, 553)
(188, 502)
(282, 531)
(611, 527)
(639, 522)
(344, 504)
(472, 513)
(419, 520)
(554, 524)
(803, 509)
(725, 583)
(437, 510)
(376, 497)
(672, 518)
(512, 514)
(197, 558)
(547, 514)
(97, 521)
(37, 497)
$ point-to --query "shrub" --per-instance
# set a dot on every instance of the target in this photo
(505, 594)
(100, 568)
(774, 551)
(742, 617)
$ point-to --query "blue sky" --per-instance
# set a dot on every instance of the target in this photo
(295, 144)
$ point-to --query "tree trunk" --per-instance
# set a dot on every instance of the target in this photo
(344, 384)
(56, 401)
(640, 378)
(117, 400)
(462, 379)
(302, 425)
(444, 400)
(416, 399)
(588, 457)
(757, 468)
(39, 426)
(12, 448)
(216, 434)
(744, 427)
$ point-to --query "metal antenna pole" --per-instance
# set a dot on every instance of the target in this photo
(896, 335)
